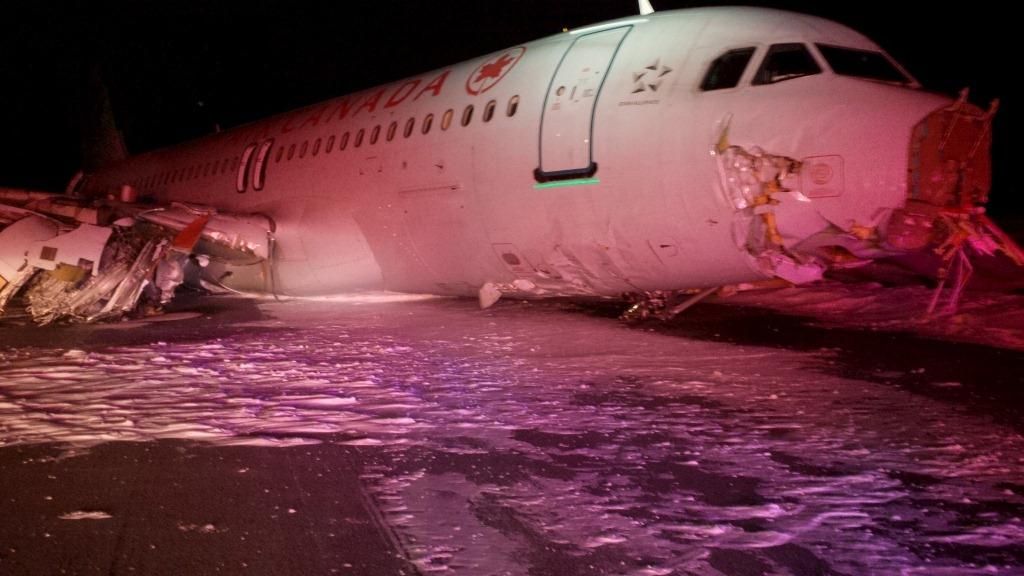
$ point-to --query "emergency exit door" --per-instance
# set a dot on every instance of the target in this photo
(567, 123)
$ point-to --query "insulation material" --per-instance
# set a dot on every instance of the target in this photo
(950, 158)
(78, 272)
(751, 178)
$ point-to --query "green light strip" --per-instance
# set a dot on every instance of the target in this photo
(564, 183)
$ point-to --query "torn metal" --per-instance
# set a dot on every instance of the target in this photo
(65, 260)
(949, 182)
(752, 181)
(662, 304)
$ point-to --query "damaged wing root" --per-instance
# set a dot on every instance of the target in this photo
(123, 279)
(63, 270)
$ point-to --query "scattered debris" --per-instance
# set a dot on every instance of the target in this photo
(204, 529)
(86, 515)
(68, 260)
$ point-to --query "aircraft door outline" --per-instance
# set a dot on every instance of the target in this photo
(256, 160)
(259, 168)
(566, 141)
(242, 178)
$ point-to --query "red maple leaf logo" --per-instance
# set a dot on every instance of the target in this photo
(493, 69)
(490, 73)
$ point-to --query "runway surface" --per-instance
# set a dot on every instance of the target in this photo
(384, 434)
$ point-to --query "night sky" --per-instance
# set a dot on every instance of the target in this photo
(176, 69)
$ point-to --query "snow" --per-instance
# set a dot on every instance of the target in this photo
(85, 515)
(638, 451)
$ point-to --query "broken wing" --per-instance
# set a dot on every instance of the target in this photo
(67, 260)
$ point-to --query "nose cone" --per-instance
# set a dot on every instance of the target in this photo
(871, 133)
(887, 170)
(949, 176)
(950, 156)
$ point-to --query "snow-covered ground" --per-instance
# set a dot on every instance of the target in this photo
(528, 435)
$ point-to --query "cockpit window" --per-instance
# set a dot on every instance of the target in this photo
(726, 70)
(785, 62)
(861, 63)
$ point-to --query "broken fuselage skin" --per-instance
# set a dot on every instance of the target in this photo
(678, 150)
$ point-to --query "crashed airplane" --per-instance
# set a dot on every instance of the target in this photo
(652, 159)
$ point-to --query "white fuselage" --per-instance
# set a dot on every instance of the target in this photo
(594, 172)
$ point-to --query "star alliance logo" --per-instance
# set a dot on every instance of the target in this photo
(650, 78)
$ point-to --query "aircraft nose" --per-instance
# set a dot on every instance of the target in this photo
(888, 147)
(950, 159)
(884, 170)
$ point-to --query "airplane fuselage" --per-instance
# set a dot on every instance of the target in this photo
(592, 163)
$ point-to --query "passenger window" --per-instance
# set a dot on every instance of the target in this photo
(302, 151)
(427, 122)
(291, 151)
(316, 147)
(785, 62)
(727, 69)
(391, 131)
(359, 137)
(489, 111)
(446, 120)
(279, 155)
(513, 105)
(344, 141)
(467, 115)
(409, 125)
(375, 134)
(330, 144)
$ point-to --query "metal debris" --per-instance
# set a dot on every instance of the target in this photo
(64, 269)
(751, 179)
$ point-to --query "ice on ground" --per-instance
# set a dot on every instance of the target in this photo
(529, 436)
(85, 515)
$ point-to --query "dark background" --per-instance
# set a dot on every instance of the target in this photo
(176, 69)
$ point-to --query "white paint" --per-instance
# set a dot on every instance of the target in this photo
(83, 243)
(422, 213)
(17, 239)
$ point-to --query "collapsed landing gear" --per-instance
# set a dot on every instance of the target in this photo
(663, 305)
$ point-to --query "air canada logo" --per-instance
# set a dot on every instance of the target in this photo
(492, 70)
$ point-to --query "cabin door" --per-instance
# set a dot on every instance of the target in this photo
(567, 123)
